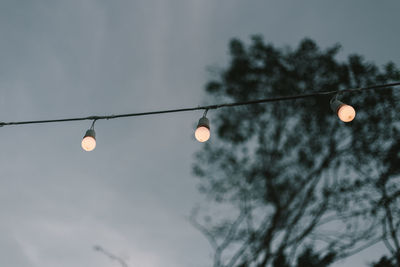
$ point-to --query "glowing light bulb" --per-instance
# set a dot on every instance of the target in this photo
(89, 140)
(202, 134)
(346, 113)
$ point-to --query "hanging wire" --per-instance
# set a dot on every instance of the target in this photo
(206, 108)
(92, 127)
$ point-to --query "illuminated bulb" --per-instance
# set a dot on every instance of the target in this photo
(346, 113)
(202, 132)
(89, 140)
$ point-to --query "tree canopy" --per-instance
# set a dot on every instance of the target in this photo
(286, 175)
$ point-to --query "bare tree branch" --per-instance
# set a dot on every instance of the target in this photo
(111, 256)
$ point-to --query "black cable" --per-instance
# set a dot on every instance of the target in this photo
(252, 102)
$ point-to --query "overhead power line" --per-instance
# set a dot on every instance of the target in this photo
(209, 107)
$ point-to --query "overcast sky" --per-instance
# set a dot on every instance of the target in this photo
(132, 195)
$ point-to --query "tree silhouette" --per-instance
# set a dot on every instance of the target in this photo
(284, 175)
(384, 262)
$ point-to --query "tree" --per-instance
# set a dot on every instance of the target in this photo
(288, 174)
(308, 258)
(383, 262)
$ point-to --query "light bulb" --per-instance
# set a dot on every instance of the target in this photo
(89, 140)
(88, 143)
(202, 134)
(346, 113)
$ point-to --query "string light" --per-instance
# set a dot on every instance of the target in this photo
(202, 132)
(89, 140)
(345, 112)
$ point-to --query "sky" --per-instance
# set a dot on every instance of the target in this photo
(134, 193)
